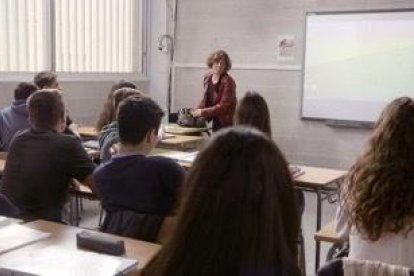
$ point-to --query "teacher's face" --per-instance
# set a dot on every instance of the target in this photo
(218, 67)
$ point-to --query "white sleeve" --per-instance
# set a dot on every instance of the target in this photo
(342, 226)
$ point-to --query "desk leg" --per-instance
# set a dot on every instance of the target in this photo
(318, 226)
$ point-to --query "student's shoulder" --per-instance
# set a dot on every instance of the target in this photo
(164, 162)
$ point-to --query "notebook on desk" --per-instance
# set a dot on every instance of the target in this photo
(55, 260)
(295, 170)
(182, 156)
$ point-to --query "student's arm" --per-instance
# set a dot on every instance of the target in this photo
(78, 164)
(90, 182)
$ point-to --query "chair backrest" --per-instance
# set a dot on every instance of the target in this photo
(7, 208)
(132, 224)
(351, 267)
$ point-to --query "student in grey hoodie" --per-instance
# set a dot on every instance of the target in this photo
(15, 117)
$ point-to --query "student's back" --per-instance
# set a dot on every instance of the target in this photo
(237, 213)
(15, 117)
(137, 190)
(41, 161)
(377, 211)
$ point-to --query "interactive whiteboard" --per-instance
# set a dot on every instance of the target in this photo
(356, 62)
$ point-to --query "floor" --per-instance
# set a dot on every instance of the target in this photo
(90, 217)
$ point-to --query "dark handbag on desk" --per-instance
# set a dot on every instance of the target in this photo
(186, 119)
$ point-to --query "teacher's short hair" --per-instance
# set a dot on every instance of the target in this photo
(218, 56)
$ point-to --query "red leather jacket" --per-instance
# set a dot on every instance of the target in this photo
(223, 101)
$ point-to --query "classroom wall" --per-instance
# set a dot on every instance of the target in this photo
(248, 31)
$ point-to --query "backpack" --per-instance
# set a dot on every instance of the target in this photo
(186, 119)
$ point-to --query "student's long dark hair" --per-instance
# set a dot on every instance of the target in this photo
(252, 110)
(237, 212)
(108, 112)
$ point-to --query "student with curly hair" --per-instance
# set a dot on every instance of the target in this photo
(237, 212)
(377, 200)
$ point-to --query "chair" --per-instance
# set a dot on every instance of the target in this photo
(351, 267)
(131, 224)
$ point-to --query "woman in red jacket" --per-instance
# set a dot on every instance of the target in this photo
(219, 100)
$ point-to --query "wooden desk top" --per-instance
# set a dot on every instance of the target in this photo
(315, 177)
(328, 234)
(176, 129)
(177, 140)
(87, 131)
(65, 236)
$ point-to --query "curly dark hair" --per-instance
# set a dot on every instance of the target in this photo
(218, 56)
(379, 193)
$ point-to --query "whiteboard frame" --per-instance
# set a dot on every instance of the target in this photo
(331, 121)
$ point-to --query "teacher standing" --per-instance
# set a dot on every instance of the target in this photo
(219, 99)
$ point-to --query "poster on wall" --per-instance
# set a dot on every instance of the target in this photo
(285, 47)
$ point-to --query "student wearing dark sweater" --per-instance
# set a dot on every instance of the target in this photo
(138, 191)
(15, 117)
(42, 160)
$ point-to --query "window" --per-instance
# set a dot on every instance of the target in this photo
(73, 36)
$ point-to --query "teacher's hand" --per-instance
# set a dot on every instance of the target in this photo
(196, 112)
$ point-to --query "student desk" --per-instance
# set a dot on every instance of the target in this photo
(64, 236)
(88, 132)
(328, 234)
(180, 142)
(324, 182)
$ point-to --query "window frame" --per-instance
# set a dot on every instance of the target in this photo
(142, 42)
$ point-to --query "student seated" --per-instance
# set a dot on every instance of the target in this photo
(48, 80)
(108, 112)
(252, 110)
(237, 212)
(41, 160)
(108, 136)
(138, 191)
(376, 210)
(15, 117)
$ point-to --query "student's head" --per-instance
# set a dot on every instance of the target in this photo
(24, 90)
(379, 194)
(219, 61)
(108, 113)
(47, 110)
(252, 111)
(237, 213)
(138, 120)
(46, 80)
(123, 93)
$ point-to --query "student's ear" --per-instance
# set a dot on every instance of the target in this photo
(152, 137)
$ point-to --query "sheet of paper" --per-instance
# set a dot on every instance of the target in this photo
(54, 260)
(15, 235)
(179, 156)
